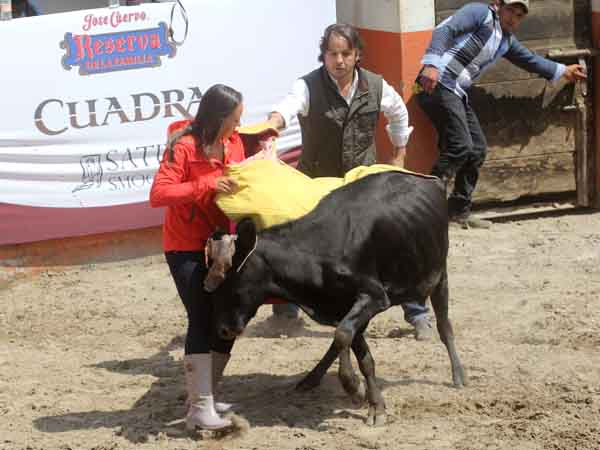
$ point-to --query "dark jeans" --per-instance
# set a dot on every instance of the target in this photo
(461, 143)
(188, 270)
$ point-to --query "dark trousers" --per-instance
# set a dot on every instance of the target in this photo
(462, 145)
(188, 270)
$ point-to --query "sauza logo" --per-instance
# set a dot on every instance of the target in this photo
(121, 50)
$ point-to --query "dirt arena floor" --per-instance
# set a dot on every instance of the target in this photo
(90, 357)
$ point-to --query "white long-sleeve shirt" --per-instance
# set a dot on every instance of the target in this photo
(392, 106)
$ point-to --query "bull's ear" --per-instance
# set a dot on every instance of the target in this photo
(246, 231)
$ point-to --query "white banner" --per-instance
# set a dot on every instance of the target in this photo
(87, 95)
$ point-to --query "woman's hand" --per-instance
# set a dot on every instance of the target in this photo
(226, 185)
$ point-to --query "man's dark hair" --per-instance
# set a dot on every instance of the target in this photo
(218, 102)
(343, 30)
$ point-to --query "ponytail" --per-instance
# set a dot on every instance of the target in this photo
(173, 138)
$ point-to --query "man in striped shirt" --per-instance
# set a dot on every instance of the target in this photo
(461, 48)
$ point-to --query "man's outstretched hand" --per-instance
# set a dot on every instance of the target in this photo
(574, 73)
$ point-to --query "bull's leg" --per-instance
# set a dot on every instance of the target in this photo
(314, 377)
(371, 301)
(350, 381)
(439, 301)
(377, 414)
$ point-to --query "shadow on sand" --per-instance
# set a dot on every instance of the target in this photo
(264, 399)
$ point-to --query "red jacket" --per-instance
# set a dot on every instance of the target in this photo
(186, 186)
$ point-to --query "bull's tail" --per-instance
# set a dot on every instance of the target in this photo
(439, 301)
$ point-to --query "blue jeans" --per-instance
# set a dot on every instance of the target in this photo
(412, 311)
(461, 143)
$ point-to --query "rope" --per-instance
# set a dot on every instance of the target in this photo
(247, 256)
(184, 15)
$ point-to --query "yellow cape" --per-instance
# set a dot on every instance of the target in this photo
(271, 192)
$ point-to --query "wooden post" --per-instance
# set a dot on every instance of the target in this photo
(396, 34)
(584, 138)
(585, 157)
(595, 73)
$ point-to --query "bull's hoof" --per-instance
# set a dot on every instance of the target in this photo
(376, 419)
(459, 379)
(308, 383)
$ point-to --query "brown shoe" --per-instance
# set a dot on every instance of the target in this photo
(470, 221)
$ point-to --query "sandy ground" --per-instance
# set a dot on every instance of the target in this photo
(91, 357)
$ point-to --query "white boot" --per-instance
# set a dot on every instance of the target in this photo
(198, 379)
(219, 361)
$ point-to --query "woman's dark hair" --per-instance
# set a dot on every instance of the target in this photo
(217, 103)
(343, 30)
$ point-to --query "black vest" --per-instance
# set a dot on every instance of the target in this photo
(337, 137)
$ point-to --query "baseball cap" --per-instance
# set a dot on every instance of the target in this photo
(525, 3)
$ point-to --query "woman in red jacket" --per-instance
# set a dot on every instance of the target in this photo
(190, 175)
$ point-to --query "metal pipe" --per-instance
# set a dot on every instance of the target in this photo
(5, 9)
(576, 53)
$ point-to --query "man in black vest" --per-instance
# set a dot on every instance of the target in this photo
(338, 107)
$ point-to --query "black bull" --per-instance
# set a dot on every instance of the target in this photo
(376, 242)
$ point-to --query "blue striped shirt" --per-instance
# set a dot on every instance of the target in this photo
(468, 42)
